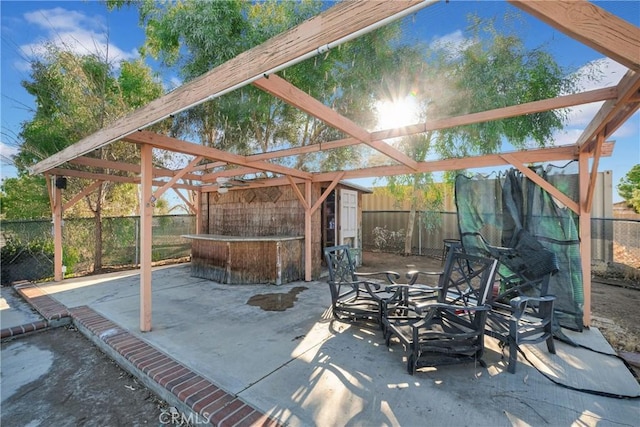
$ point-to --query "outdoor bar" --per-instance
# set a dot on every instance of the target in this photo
(242, 259)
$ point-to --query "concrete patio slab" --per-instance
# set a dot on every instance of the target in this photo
(300, 367)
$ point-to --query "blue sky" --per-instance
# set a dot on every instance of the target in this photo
(88, 26)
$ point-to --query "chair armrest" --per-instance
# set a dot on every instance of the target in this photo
(413, 275)
(358, 285)
(519, 304)
(405, 292)
(391, 276)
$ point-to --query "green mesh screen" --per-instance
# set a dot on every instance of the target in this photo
(494, 209)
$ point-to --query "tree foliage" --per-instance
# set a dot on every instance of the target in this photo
(76, 95)
(629, 188)
(24, 197)
(195, 36)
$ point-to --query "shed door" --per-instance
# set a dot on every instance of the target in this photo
(348, 217)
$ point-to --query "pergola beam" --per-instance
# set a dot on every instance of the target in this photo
(173, 144)
(544, 184)
(613, 112)
(113, 178)
(127, 167)
(590, 25)
(488, 160)
(160, 191)
(564, 101)
(87, 190)
(190, 205)
(594, 172)
(290, 94)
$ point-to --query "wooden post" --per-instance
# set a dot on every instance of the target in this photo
(146, 218)
(198, 210)
(308, 258)
(585, 234)
(58, 274)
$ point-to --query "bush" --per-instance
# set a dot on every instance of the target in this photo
(387, 240)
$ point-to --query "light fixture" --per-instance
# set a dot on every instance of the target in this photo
(223, 190)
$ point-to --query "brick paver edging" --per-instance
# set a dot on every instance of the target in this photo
(53, 311)
(171, 380)
(23, 329)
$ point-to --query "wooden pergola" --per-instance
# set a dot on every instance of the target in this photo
(581, 20)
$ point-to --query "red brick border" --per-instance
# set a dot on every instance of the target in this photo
(196, 392)
(23, 329)
(44, 304)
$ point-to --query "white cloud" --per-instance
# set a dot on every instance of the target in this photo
(6, 152)
(75, 31)
(454, 43)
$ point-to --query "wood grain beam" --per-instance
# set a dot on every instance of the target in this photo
(169, 184)
(590, 25)
(527, 156)
(85, 191)
(330, 26)
(112, 178)
(282, 89)
(594, 172)
(173, 144)
(290, 94)
(336, 180)
(305, 204)
(229, 173)
(565, 101)
(446, 123)
(126, 167)
(543, 183)
(613, 112)
(314, 148)
(187, 202)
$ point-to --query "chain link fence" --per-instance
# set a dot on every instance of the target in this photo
(615, 242)
(27, 246)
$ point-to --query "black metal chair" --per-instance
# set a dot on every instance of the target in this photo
(355, 296)
(451, 328)
(521, 307)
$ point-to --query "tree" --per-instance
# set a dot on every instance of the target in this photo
(75, 96)
(491, 70)
(196, 36)
(24, 197)
(629, 188)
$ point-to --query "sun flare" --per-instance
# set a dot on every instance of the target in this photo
(398, 113)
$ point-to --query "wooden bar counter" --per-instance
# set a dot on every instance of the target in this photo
(241, 259)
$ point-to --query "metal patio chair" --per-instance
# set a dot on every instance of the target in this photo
(355, 296)
(521, 307)
(451, 328)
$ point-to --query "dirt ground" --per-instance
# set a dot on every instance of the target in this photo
(614, 308)
(82, 387)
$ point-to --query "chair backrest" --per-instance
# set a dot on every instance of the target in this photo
(341, 265)
(525, 268)
(467, 279)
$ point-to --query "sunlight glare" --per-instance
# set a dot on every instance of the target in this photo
(398, 113)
